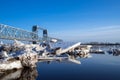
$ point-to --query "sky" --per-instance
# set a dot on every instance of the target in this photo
(70, 20)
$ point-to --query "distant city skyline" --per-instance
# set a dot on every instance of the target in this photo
(70, 20)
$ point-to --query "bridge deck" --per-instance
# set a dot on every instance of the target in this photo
(11, 33)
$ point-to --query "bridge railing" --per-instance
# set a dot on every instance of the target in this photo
(8, 32)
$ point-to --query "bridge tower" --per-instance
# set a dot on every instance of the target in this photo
(35, 30)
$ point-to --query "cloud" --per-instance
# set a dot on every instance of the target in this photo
(109, 31)
(105, 33)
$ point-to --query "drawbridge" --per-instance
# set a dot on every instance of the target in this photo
(12, 33)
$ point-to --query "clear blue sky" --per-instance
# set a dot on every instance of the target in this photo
(75, 20)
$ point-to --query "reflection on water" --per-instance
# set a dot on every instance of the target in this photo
(31, 74)
(22, 74)
(100, 67)
(9, 75)
(111, 50)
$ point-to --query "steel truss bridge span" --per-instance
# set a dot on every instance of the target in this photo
(11, 33)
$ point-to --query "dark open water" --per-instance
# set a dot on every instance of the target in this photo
(99, 67)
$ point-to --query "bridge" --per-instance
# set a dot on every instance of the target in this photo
(11, 33)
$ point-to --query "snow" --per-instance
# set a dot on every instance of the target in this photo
(28, 53)
(11, 65)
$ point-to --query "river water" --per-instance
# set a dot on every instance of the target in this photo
(98, 67)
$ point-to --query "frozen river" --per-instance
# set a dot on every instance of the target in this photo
(98, 67)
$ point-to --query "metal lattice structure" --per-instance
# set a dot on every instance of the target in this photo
(8, 32)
